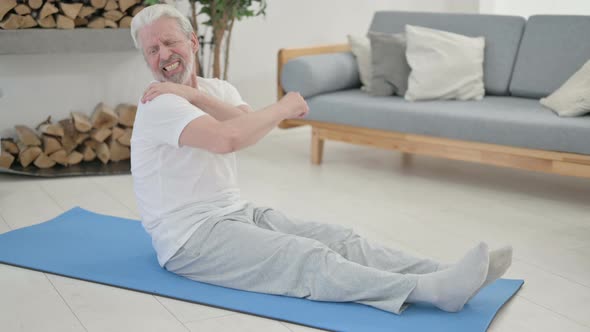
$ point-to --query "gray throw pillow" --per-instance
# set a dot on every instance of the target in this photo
(389, 65)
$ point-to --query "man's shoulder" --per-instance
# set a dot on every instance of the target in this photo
(214, 84)
(203, 81)
(161, 102)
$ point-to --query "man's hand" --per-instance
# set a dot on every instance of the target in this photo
(156, 89)
(294, 105)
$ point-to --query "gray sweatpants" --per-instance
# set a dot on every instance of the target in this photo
(261, 250)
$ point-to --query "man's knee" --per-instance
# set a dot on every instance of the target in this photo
(344, 235)
(350, 233)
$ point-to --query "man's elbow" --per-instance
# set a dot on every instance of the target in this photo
(245, 109)
(228, 142)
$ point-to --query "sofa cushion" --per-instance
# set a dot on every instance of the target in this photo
(445, 65)
(553, 48)
(314, 74)
(499, 120)
(502, 35)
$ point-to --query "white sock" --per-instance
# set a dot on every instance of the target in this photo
(451, 288)
(500, 261)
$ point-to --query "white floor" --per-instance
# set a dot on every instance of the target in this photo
(433, 207)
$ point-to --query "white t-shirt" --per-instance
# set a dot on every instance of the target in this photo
(177, 188)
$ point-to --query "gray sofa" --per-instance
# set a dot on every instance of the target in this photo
(524, 61)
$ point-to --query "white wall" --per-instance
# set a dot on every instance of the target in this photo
(35, 86)
(527, 8)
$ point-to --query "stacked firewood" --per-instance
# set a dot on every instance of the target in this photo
(106, 136)
(68, 14)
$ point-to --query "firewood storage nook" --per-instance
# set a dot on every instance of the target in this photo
(98, 137)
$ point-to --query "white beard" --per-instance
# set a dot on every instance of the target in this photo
(181, 77)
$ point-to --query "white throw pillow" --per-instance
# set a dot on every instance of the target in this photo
(361, 48)
(573, 97)
(444, 65)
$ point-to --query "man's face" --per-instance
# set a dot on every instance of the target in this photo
(168, 51)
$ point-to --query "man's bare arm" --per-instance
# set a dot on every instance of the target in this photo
(227, 136)
(217, 108)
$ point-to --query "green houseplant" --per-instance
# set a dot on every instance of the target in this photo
(220, 16)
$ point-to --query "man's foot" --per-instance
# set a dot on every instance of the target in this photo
(500, 261)
(451, 288)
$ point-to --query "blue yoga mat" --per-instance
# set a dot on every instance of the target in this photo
(116, 251)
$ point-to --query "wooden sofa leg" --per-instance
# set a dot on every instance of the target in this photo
(406, 159)
(317, 147)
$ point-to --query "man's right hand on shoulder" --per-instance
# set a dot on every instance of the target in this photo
(160, 88)
(294, 105)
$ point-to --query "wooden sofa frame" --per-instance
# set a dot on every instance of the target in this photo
(570, 164)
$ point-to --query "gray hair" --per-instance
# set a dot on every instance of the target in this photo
(150, 14)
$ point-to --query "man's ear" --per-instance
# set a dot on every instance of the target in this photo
(194, 42)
